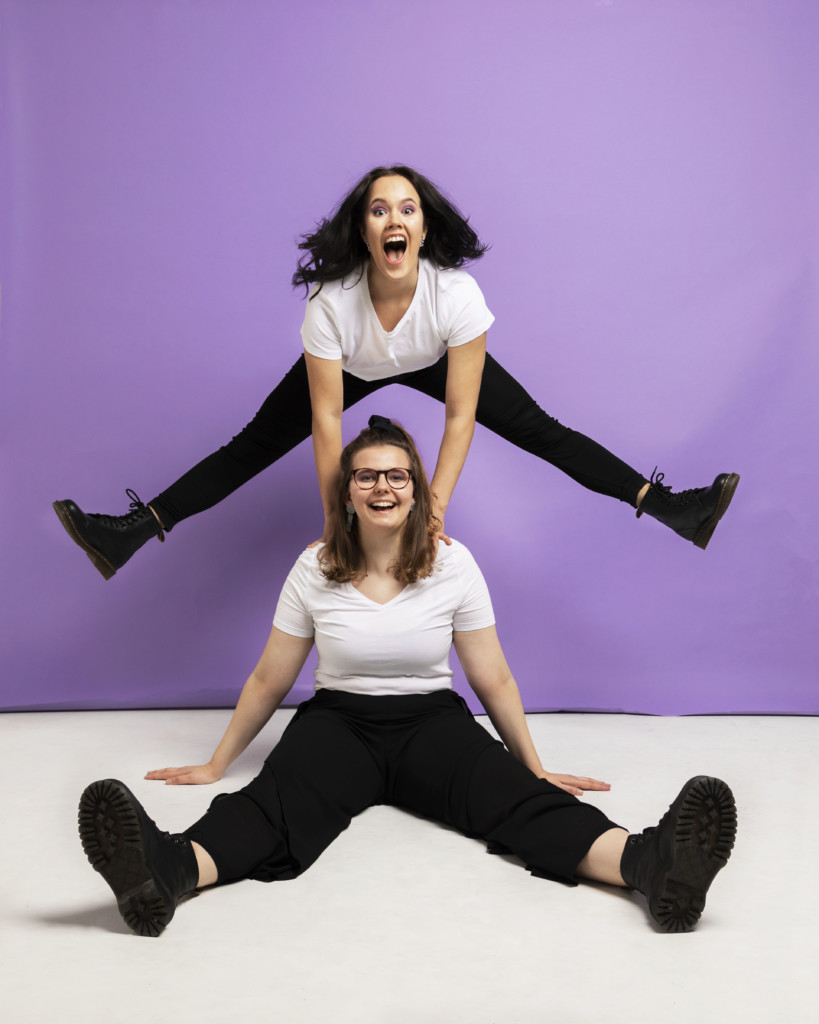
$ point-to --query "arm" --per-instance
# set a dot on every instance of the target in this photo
(463, 384)
(481, 657)
(265, 689)
(327, 401)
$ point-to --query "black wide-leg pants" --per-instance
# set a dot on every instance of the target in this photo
(342, 753)
(285, 420)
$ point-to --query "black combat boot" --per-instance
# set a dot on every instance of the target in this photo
(148, 870)
(109, 541)
(694, 513)
(674, 863)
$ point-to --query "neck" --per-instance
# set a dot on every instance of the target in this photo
(384, 289)
(380, 552)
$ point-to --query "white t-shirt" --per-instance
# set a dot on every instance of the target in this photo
(395, 648)
(448, 309)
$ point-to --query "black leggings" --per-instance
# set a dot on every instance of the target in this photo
(343, 752)
(285, 420)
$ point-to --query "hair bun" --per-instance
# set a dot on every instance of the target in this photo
(382, 423)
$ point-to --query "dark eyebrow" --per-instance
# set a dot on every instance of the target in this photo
(409, 199)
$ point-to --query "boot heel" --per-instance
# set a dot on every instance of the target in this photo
(680, 907)
(107, 571)
(144, 910)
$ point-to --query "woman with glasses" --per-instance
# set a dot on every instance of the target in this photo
(384, 604)
(390, 302)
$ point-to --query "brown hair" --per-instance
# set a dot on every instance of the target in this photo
(341, 558)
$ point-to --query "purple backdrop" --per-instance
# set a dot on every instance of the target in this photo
(647, 175)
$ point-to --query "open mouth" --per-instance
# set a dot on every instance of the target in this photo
(395, 248)
(383, 506)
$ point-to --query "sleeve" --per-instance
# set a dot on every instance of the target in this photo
(293, 614)
(475, 609)
(319, 331)
(467, 315)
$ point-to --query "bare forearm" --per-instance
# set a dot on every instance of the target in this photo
(256, 705)
(463, 384)
(482, 660)
(267, 686)
(505, 710)
(451, 457)
(327, 403)
(327, 452)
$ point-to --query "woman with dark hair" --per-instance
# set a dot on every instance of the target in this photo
(390, 303)
(384, 604)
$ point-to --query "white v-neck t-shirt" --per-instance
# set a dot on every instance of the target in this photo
(378, 649)
(340, 322)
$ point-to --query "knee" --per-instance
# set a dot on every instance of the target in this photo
(527, 425)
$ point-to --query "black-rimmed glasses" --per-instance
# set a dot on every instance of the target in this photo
(366, 479)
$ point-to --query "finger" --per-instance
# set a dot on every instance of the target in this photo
(594, 784)
(565, 782)
(161, 773)
(171, 776)
(182, 779)
(586, 783)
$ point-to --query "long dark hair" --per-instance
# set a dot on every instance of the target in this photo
(336, 249)
(341, 558)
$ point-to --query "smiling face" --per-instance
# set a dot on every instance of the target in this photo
(393, 228)
(382, 507)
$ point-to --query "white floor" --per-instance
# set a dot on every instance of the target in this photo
(401, 920)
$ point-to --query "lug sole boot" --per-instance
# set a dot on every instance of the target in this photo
(148, 870)
(109, 541)
(674, 863)
(693, 514)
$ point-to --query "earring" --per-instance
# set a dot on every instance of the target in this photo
(368, 246)
(350, 509)
(423, 239)
(412, 509)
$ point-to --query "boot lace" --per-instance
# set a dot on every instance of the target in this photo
(638, 838)
(663, 491)
(138, 509)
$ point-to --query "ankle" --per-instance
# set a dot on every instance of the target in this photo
(603, 861)
(159, 522)
(206, 866)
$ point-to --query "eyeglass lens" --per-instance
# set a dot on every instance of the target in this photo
(367, 478)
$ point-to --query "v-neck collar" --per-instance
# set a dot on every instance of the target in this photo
(378, 604)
